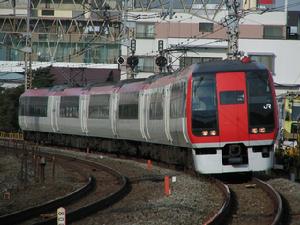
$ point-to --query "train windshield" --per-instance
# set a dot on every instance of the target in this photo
(261, 107)
(204, 104)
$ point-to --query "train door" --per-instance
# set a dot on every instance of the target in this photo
(83, 113)
(232, 107)
(144, 107)
(113, 112)
(177, 112)
(167, 113)
(54, 109)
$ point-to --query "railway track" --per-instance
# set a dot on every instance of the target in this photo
(104, 184)
(264, 207)
(254, 202)
(147, 184)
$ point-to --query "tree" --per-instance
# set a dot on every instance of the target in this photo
(9, 99)
(42, 77)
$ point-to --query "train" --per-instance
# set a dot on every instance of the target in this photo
(215, 117)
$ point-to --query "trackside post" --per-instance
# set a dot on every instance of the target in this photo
(167, 186)
(61, 216)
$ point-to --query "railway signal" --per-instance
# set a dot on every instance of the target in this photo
(161, 61)
(133, 45)
(132, 61)
(120, 60)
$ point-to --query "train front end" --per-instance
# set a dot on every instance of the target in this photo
(232, 117)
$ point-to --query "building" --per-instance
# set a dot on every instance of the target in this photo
(268, 33)
(60, 31)
(96, 31)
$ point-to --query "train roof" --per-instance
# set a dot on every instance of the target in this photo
(227, 66)
(153, 81)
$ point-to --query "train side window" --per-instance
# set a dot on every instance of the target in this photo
(99, 106)
(232, 97)
(177, 101)
(22, 105)
(36, 106)
(156, 106)
(128, 106)
(69, 107)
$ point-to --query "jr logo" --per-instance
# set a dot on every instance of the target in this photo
(267, 106)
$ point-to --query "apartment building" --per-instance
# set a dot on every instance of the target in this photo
(98, 32)
(268, 33)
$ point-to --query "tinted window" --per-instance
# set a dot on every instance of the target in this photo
(156, 106)
(260, 100)
(177, 106)
(128, 105)
(33, 106)
(232, 97)
(99, 107)
(22, 105)
(204, 103)
(69, 106)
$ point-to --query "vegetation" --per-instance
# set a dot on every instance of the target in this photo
(9, 99)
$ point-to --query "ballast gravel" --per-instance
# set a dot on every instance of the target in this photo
(192, 200)
(291, 193)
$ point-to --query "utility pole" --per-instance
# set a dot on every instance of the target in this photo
(126, 30)
(28, 50)
(232, 24)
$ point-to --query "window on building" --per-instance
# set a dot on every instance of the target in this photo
(267, 59)
(273, 32)
(144, 30)
(47, 12)
(146, 64)
(156, 106)
(99, 107)
(206, 27)
(69, 107)
(177, 106)
(129, 106)
(33, 106)
(186, 61)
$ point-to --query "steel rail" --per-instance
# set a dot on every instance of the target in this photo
(276, 198)
(31, 212)
(98, 205)
(220, 216)
(79, 213)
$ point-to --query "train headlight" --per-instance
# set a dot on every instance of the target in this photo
(254, 130)
(204, 133)
(212, 133)
(262, 130)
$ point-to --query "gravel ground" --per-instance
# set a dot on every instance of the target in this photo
(192, 199)
(253, 205)
(24, 196)
(291, 192)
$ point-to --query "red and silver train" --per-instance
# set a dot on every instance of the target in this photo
(222, 116)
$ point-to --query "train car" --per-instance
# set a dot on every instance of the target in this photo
(222, 116)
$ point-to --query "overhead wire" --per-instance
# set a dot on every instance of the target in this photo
(143, 16)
